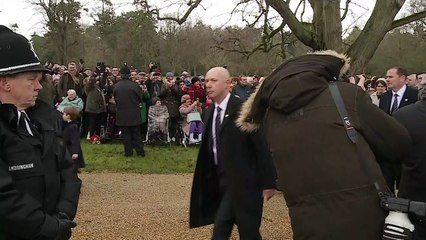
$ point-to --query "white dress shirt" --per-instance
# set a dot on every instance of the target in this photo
(27, 124)
(400, 94)
(223, 106)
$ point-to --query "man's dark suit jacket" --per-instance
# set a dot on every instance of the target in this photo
(392, 171)
(410, 96)
(413, 178)
(247, 164)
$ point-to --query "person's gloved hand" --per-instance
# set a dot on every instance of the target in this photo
(397, 226)
(65, 225)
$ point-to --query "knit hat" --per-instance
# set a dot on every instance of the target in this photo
(184, 98)
(169, 75)
(17, 54)
(194, 80)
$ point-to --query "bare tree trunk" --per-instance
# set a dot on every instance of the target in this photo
(327, 24)
(380, 22)
(61, 43)
(326, 30)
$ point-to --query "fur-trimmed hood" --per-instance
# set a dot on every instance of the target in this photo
(292, 85)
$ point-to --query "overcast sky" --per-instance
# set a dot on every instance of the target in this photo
(216, 13)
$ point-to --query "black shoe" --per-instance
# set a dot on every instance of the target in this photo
(128, 155)
(141, 155)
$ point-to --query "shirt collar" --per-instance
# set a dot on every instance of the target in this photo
(400, 91)
(19, 115)
(224, 103)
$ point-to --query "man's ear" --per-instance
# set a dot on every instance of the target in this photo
(4, 83)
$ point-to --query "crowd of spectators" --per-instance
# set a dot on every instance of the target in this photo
(90, 91)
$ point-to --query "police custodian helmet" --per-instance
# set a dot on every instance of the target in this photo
(17, 54)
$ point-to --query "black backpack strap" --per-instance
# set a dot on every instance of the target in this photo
(350, 130)
(338, 100)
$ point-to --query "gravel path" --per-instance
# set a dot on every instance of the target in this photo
(136, 206)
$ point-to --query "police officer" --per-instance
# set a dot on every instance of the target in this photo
(39, 187)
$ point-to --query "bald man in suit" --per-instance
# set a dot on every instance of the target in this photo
(234, 172)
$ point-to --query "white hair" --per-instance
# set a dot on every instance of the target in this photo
(70, 91)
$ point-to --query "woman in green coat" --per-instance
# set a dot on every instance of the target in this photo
(144, 109)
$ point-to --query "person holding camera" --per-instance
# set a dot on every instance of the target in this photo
(169, 96)
(95, 108)
(39, 188)
(329, 183)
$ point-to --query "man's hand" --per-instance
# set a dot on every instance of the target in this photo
(65, 225)
(397, 227)
(360, 82)
(268, 194)
(74, 156)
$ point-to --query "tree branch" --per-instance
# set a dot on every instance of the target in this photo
(346, 10)
(181, 20)
(305, 36)
(246, 53)
(408, 19)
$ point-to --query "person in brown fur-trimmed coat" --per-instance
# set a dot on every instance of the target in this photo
(326, 186)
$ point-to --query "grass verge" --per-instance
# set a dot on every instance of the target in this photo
(159, 159)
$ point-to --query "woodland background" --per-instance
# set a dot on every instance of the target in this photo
(141, 36)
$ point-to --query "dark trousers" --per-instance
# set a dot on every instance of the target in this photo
(247, 220)
(173, 125)
(84, 124)
(144, 129)
(132, 139)
(94, 123)
(420, 231)
(392, 174)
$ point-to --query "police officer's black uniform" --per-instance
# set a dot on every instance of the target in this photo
(38, 182)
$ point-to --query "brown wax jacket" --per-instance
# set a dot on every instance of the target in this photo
(325, 182)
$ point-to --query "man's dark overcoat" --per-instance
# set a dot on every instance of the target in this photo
(413, 179)
(128, 97)
(247, 164)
